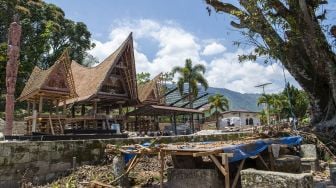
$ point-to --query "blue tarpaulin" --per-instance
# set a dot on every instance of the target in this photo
(243, 151)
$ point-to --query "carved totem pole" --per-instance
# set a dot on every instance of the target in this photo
(13, 53)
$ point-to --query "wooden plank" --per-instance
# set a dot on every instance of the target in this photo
(40, 105)
(180, 152)
(60, 124)
(235, 181)
(218, 164)
(206, 153)
(225, 160)
(271, 157)
(51, 126)
(263, 162)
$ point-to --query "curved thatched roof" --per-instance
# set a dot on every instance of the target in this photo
(38, 80)
(89, 80)
(150, 92)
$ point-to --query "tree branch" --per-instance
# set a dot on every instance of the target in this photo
(219, 6)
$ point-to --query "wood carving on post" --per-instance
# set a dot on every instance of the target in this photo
(13, 52)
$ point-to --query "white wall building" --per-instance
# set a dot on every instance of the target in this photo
(239, 118)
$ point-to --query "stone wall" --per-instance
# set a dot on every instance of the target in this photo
(251, 178)
(19, 127)
(43, 161)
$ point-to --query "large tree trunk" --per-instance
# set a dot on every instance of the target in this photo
(13, 53)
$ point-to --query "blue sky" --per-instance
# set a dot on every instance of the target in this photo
(168, 32)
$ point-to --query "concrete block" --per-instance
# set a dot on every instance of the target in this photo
(20, 157)
(309, 164)
(10, 183)
(6, 151)
(195, 178)
(251, 178)
(308, 151)
(45, 147)
(44, 156)
(287, 163)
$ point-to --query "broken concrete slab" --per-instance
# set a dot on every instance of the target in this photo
(308, 151)
(251, 178)
(309, 161)
(195, 178)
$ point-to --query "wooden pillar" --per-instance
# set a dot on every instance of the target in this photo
(94, 108)
(64, 107)
(120, 109)
(57, 107)
(40, 105)
(28, 108)
(73, 111)
(34, 117)
(174, 119)
(83, 110)
(157, 123)
(198, 121)
(51, 107)
(107, 110)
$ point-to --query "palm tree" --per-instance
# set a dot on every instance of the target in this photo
(265, 99)
(278, 103)
(192, 76)
(219, 103)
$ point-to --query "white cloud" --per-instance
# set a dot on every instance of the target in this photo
(243, 77)
(213, 48)
(174, 45)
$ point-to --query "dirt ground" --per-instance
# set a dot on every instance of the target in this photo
(145, 174)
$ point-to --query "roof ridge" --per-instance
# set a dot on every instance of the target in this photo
(119, 51)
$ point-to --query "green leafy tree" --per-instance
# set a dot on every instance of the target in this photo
(291, 102)
(46, 33)
(292, 32)
(191, 76)
(143, 77)
(218, 103)
(265, 99)
(297, 102)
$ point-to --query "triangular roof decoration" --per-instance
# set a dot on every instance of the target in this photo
(90, 81)
(150, 91)
(57, 79)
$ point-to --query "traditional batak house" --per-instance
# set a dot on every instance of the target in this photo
(95, 91)
(48, 88)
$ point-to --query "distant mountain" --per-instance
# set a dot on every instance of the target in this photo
(238, 101)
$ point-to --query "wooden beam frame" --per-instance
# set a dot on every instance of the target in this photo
(235, 181)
